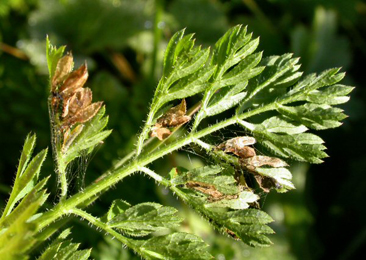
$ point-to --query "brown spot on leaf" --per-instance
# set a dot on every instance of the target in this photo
(232, 234)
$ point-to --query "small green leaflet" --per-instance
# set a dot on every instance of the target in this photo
(292, 144)
(91, 136)
(16, 229)
(235, 64)
(145, 218)
(315, 116)
(53, 56)
(62, 249)
(178, 245)
(27, 174)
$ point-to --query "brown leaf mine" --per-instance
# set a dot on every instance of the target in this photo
(204, 188)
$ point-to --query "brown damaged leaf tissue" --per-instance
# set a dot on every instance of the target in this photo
(250, 161)
(175, 116)
(71, 104)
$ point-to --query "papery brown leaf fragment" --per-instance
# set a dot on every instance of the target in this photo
(258, 161)
(266, 183)
(205, 188)
(79, 100)
(160, 132)
(239, 146)
(226, 197)
(70, 135)
(63, 68)
(74, 81)
(84, 114)
(175, 116)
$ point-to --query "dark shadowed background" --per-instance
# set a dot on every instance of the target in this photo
(324, 218)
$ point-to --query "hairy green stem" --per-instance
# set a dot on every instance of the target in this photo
(96, 222)
(157, 37)
(155, 176)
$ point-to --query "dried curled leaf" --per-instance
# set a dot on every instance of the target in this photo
(205, 188)
(71, 104)
(84, 114)
(63, 68)
(239, 146)
(266, 183)
(79, 100)
(160, 132)
(74, 81)
(260, 160)
(173, 117)
(253, 165)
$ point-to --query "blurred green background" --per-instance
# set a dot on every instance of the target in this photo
(123, 42)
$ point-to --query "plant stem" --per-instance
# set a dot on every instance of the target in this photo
(96, 222)
(157, 37)
(155, 176)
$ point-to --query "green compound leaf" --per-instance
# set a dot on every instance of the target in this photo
(280, 72)
(16, 229)
(314, 116)
(117, 207)
(27, 174)
(182, 74)
(287, 143)
(215, 194)
(280, 124)
(62, 249)
(92, 134)
(178, 245)
(54, 54)
(28, 148)
(332, 95)
(235, 65)
(145, 218)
